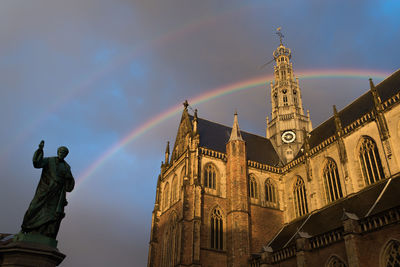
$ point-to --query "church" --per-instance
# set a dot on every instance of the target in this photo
(300, 196)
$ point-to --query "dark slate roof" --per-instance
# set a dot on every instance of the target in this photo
(330, 217)
(215, 136)
(361, 106)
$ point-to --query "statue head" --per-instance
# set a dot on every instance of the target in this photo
(62, 152)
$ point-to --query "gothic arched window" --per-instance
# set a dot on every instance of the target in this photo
(253, 188)
(333, 187)
(166, 196)
(210, 176)
(174, 190)
(170, 243)
(300, 197)
(335, 262)
(371, 164)
(270, 193)
(217, 230)
(391, 255)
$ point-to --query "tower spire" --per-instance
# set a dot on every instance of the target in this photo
(235, 134)
(287, 121)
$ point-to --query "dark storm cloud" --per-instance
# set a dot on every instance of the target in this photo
(87, 73)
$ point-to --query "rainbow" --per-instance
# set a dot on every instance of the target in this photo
(87, 83)
(215, 93)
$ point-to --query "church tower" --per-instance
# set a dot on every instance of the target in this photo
(288, 125)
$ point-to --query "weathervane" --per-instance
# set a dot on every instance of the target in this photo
(279, 33)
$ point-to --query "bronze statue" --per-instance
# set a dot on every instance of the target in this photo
(46, 210)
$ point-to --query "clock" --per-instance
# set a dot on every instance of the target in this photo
(288, 137)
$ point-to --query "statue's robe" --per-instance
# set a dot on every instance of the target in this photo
(47, 206)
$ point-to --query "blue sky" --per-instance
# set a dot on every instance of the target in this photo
(84, 74)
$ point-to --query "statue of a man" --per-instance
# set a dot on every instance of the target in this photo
(46, 210)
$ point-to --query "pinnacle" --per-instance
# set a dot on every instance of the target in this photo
(235, 134)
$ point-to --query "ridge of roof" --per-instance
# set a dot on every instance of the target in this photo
(397, 72)
(215, 136)
(354, 110)
(223, 125)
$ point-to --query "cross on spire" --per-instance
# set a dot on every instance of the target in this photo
(185, 104)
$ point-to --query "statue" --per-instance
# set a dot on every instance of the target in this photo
(46, 210)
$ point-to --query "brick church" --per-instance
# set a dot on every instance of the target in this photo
(328, 196)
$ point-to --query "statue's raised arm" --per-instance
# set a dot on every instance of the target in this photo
(37, 160)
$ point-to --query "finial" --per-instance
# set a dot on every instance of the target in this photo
(338, 122)
(279, 33)
(195, 122)
(167, 154)
(334, 110)
(185, 104)
(235, 134)
(371, 84)
(167, 148)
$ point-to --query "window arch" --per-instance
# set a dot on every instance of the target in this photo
(371, 164)
(217, 229)
(270, 192)
(170, 244)
(210, 176)
(300, 197)
(333, 187)
(174, 189)
(166, 196)
(391, 254)
(335, 262)
(253, 188)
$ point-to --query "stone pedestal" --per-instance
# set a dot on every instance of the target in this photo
(26, 254)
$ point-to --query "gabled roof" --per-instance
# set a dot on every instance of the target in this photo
(361, 106)
(215, 136)
(363, 203)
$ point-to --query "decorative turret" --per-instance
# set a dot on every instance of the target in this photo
(238, 220)
(338, 122)
(287, 116)
(382, 124)
(235, 134)
(167, 154)
(195, 122)
(339, 138)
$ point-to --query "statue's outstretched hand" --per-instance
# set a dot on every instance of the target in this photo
(41, 145)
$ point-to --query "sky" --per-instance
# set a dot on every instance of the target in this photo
(107, 79)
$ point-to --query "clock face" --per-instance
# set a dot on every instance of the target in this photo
(288, 137)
